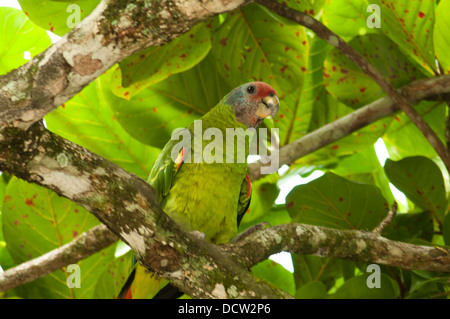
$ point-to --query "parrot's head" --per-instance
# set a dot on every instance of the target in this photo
(253, 102)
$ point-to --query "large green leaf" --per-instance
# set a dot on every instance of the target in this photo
(151, 115)
(336, 202)
(276, 274)
(296, 108)
(113, 278)
(54, 15)
(314, 268)
(88, 120)
(312, 290)
(364, 167)
(17, 36)
(36, 221)
(157, 63)
(415, 143)
(253, 44)
(349, 84)
(421, 180)
(357, 288)
(407, 23)
(347, 18)
(441, 32)
(410, 226)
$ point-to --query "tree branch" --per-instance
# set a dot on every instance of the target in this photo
(288, 154)
(129, 207)
(333, 39)
(354, 245)
(114, 30)
(354, 121)
(80, 248)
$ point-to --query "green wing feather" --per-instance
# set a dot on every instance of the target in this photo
(164, 170)
(244, 198)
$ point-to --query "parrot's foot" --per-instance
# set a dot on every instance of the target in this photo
(198, 234)
(249, 231)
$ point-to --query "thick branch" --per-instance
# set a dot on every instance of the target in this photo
(352, 122)
(82, 247)
(128, 206)
(333, 39)
(354, 245)
(113, 31)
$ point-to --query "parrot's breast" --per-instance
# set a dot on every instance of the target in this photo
(205, 197)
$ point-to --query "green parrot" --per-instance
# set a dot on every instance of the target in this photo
(210, 195)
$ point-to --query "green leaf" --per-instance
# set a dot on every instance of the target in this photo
(157, 63)
(410, 226)
(297, 108)
(357, 288)
(17, 36)
(416, 144)
(350, 85)
(421, 180)
(53, 15)
(347, 18)
(336, 202)
(36, 221)
(441, 32)
(364, 167)
(253, 44)
(407, 23)
(276, 274)
(151, 115)
(87, 120)
(312, 7)
(113, 278)
(312, 290)
(313, 268)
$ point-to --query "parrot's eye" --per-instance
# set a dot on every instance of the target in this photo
(251, 89)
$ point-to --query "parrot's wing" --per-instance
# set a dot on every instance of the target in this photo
(165, 168)
(244, 198)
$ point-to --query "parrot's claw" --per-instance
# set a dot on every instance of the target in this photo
(249, 231)
(198, 234)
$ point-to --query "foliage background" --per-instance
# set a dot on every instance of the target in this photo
(128, 114)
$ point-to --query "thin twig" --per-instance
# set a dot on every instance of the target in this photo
(82, 247)
(387, 220)
(333, 39)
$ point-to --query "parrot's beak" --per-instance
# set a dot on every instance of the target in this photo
(268, 107)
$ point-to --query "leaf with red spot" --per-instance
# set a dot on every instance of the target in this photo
(336, 202)
(421, 180)
(253, 44)
(311, 7)
(157, 63)
(49, 223)
(350, 85)
(296, 108)
(409, 24)
(441, 35)
(151, 115)
(415, 143)
(89, 121)
(53, 15)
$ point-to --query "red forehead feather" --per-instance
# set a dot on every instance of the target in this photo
(263, 89)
